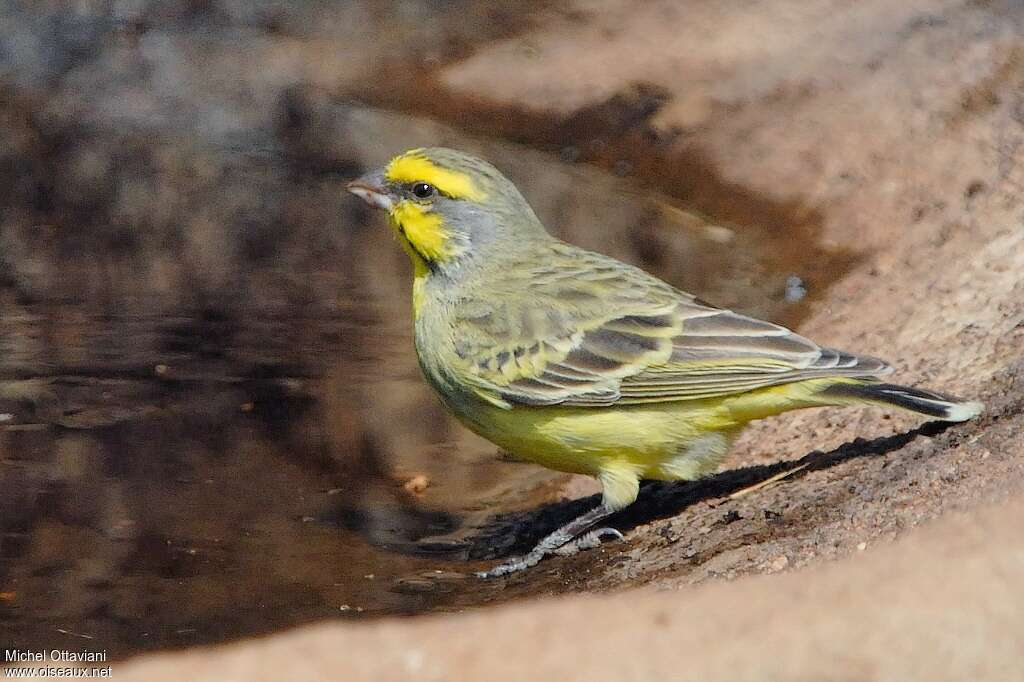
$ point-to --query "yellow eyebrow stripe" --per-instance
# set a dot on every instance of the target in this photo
(414, 167)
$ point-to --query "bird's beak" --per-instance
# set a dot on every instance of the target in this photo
(370, 188)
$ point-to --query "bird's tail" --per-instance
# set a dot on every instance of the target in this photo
(937, 405)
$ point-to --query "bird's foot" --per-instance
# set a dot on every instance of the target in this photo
(573, 546)
(514, 565)
(587, 541)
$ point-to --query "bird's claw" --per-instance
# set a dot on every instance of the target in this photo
(588, 540)
(513, 565)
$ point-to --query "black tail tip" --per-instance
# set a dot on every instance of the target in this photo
(944, 407)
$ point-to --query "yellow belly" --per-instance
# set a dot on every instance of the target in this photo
(587, 440)
(653, 439)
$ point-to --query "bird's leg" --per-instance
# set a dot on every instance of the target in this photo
(566, 541)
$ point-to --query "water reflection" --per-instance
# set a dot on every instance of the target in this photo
(191, 489)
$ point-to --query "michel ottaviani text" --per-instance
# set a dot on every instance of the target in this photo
(61, 655)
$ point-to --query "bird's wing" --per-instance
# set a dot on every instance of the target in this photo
(590, 331)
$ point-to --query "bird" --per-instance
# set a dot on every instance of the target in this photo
(581, 363)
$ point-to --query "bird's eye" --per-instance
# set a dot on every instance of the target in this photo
(422, 190)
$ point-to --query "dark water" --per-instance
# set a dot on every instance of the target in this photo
(172, 481)
(209, 404)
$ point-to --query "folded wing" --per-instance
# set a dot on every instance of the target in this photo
(601, 333)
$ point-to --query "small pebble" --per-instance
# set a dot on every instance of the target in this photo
(795, 289)
(417, 484)
(719, 234)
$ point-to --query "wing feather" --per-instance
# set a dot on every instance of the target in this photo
(590, 331)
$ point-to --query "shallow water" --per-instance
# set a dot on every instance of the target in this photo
(167, 482)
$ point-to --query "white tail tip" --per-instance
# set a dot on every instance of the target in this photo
(961, 412)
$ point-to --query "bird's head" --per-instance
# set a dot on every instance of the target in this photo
(448, 207)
